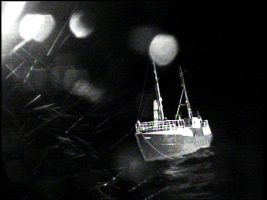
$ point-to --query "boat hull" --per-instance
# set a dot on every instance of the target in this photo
(172, 144)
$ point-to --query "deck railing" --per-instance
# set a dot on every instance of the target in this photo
(165, 125)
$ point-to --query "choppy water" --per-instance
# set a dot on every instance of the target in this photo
(215, 173)
(223, 172)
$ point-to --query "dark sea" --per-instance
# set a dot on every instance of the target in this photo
(220, 172)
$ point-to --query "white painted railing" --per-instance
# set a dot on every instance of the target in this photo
(165, 125)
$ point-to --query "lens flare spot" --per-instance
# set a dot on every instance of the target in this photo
(83, 88)
(81, 24)
(36, 27)
(163, 49)
(77, 82)
(12, 11)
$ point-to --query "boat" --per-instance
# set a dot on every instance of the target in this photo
(162, 139)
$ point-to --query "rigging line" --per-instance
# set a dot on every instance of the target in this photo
(64, 41)
(180, 101)
(61, 31)
(142, 97)
(159, 99)
(152, 146)
(59, 34)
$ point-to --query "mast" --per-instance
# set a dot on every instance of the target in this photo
(159, 99)
(179, 106)
(190, 115)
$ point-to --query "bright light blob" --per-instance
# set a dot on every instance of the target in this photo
(36, 27)
(163, 49)
(81, 24)
(12, 11)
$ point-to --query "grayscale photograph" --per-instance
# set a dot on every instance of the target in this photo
(132, 100)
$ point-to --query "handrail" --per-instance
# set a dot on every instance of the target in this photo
(165, 125)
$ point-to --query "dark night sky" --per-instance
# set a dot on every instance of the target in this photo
(221, 49)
